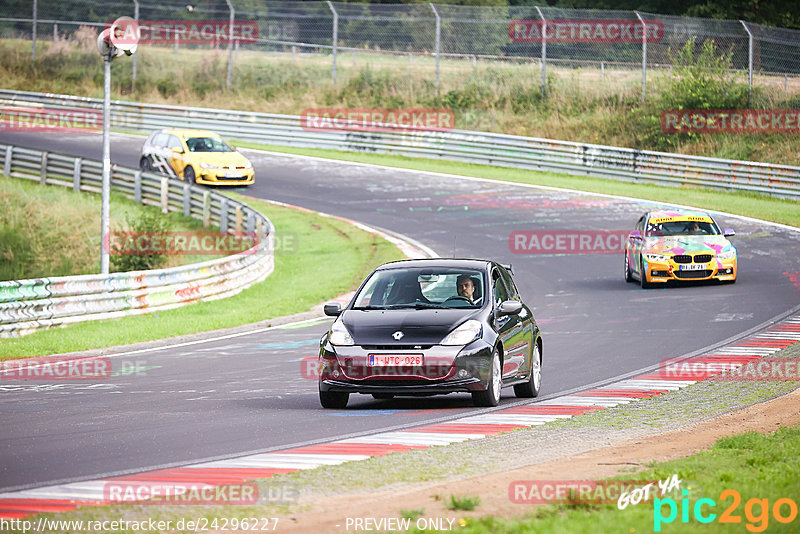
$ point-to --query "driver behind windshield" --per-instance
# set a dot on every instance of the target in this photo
(465, 287)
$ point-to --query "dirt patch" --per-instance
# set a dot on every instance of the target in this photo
(329, 514)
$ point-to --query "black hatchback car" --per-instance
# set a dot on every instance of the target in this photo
(428, 327)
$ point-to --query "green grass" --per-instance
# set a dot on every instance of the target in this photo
(740, 203)
(463, 503)
(757, 466)
(302, 279)
(54, 231)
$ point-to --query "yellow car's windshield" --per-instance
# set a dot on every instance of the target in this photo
(207, 144)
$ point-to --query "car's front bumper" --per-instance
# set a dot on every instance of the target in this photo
(218, 177)
(445, 369)
(667, 271)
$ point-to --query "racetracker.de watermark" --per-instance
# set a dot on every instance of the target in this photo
(567, 241)
(585, 31)
(61, 120)
(377, 119)
(189, 493)
(56, 368)
(180, 243)
(576, 491)
(730, 121)
(727, 368)
(129, 31)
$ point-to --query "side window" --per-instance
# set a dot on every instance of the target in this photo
(173, 141)
(161, 140)
(640, 224)
(500, 291)
(512, 289)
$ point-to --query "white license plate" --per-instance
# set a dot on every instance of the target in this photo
(392, 360)
(693, 267)
(232, 175)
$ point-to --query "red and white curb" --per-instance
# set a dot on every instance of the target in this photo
(66, 497)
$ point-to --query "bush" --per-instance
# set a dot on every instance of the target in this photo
(150, 221)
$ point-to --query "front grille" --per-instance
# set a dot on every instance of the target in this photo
(693, 274)
(682, 258)
(396, 347)
(703, 258)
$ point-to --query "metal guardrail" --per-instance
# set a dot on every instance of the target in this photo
(29, 305)
(625, 164)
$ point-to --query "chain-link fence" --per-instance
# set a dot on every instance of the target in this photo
(431, 37)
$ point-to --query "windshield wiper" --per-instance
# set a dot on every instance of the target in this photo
(370, 307)
(419, 306)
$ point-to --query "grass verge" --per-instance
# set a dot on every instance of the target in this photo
(303, 277)
(740, 203)
(54, 231)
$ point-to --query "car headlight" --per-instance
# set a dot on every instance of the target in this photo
(339, 335)
(656, 257)
(466, 333)
(727, 255)
(208, 166)
(248, 165)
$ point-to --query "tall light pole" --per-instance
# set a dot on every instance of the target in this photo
(121, 38)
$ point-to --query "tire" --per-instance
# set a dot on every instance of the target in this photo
(491, 397)
(628, 275)
(382, 396)
(333, 399)
(145, 164)
(189, 176)
(531, 388)
(645, 283)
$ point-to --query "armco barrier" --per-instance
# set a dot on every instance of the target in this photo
(458, 145)
(28, 305)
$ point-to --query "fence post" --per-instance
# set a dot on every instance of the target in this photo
(55, 32)
(76, 175)
(175, 46)
(437, 44)
(544, 50)
(206, 209)
(135, 56)
(43, 173)
(165, 194)
(137, 187)
(335, 38)
(187, 200)
(230, 44)
(7, 162)
(33, 30)
(223, 215)
(749, 62)
(644, 56)
(238, 219)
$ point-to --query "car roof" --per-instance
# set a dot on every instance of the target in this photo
(669, 213)
(458, 263)
(188, 132)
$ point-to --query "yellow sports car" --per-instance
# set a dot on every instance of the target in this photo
(197, 156)
(679, 245)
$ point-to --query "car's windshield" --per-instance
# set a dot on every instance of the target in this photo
(438, 287)
(686, 227)
(207, 144)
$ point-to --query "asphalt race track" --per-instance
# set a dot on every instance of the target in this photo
(254, 392)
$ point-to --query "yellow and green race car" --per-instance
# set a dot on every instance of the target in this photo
(671, 245)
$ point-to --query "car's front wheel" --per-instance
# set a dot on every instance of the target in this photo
(333, 399)
(188, 175)
(628, 275)
(145, 164)
(643, 275)
(491, 396)
(531, 387)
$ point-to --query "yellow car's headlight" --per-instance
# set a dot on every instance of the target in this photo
(248, 165)
(727, 255)
(208, 166)
(656, 257)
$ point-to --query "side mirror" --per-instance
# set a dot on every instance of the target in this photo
(333, 309)
(636, 235)
(729, 232)
(177, 149)
(509, 307)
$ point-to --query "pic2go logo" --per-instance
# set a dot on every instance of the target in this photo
(756, 511)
